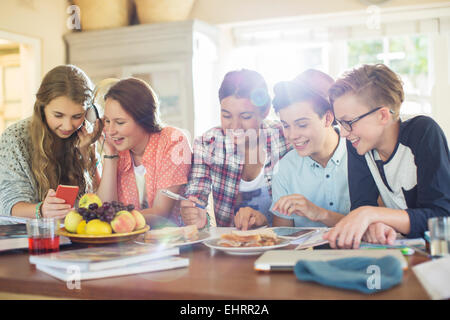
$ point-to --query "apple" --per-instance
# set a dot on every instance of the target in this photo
(123, 222)
(72, 220)
(140, 220)
(89, 198)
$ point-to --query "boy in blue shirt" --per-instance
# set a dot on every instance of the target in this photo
(310, 187)
(406, 163)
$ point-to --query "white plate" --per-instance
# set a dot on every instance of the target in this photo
(244, 251)
(202, 236)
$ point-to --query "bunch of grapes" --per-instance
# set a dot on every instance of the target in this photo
(119, 206)
(105, 213)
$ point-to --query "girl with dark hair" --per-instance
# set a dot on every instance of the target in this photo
(52, 147)
(141, 156)
(236, 160)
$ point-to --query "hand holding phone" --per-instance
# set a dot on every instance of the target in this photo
(68, 193)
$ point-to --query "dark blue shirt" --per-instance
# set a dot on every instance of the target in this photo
(415, 178)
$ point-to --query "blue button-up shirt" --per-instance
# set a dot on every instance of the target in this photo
(325, 187)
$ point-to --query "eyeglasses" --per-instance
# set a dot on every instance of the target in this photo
(347, 125)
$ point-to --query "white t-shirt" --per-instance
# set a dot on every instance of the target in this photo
(140, 172)
(255, 194)
(258, 182)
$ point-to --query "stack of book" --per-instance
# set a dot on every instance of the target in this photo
(108, 261)
(13, 236)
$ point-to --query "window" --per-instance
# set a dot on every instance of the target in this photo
(408, 56)
(280, 62)
(412, 40)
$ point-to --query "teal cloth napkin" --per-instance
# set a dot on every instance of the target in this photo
(367, 275)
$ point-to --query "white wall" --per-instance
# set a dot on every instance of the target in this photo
(44, 20)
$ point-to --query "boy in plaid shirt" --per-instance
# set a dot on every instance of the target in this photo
(236, 160)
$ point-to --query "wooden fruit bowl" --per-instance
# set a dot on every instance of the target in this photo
(102, 239)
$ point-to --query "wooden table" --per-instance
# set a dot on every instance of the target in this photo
(211, 275)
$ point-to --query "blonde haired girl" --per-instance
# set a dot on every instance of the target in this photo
(50, 148)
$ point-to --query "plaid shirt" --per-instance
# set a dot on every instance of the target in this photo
(218, 166)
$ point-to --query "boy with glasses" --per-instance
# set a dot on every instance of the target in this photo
(406, 163)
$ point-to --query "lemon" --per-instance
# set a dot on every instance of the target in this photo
(81, 229)
(98, 227)
(72, 220)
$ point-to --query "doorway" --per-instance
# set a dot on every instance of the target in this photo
(20, 66)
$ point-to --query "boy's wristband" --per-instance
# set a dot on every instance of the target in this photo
(38, 210)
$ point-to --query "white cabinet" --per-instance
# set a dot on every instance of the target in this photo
(177, 59)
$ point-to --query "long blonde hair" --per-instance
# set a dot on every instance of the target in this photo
(48, 169)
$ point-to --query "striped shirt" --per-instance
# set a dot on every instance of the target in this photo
(218, 166)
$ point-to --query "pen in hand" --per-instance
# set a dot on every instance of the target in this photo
(175, 196)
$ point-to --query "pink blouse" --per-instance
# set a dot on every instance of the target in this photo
(166, 159)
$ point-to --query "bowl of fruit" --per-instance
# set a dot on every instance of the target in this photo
(97, 222)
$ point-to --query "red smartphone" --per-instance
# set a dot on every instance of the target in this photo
(68, 193)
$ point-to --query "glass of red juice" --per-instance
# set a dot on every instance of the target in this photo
(42, 235)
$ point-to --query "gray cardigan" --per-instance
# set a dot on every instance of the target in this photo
(17, 181)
